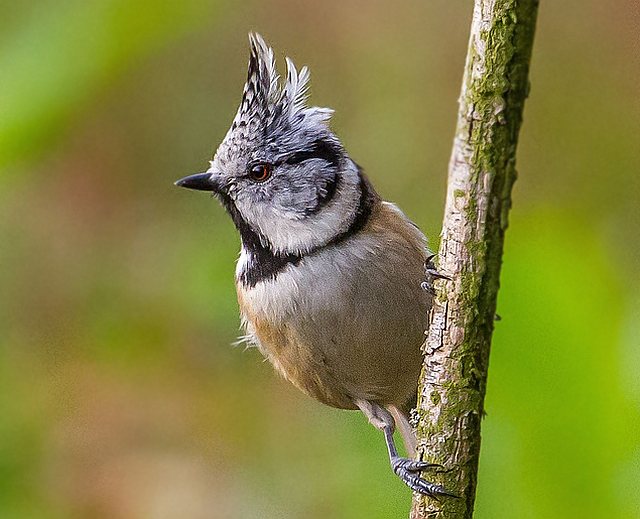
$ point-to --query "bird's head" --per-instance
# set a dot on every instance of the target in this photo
(280, 172)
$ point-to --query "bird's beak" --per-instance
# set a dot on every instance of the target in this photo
(200, 181)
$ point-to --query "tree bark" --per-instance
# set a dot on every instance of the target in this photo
(481, 175)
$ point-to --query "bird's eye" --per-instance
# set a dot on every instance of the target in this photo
(260, 172)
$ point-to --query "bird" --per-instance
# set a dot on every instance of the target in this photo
(330, 276)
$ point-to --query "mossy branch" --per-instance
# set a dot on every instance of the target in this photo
(481, 175)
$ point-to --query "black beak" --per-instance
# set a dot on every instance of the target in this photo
(199, 181)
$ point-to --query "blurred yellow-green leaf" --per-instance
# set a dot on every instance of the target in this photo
(60, 54)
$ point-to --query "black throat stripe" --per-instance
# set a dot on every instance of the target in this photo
(265, 264)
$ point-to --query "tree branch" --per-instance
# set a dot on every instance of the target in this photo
(481, 175)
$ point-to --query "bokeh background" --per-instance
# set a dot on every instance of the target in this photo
(120, 393)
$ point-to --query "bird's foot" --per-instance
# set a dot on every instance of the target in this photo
(431, 274)
(409, 472)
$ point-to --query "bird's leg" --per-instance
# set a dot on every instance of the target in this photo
(403, 426)
(406, 469)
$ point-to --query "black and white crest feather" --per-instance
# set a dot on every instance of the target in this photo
(270, 112)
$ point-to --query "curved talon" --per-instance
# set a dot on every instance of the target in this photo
(432, 274)
(414, 465)
(406, 470)
(438, 275)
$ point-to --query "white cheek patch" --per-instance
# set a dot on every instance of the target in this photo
(288, 234)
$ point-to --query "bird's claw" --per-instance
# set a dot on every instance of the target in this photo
(408, 471)
(414, 465)
(432, 274)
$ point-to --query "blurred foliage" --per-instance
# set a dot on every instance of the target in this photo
(120, 395)
(59, 53)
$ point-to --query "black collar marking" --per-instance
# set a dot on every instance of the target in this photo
(266, 264)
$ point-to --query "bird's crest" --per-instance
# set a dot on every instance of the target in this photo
(272, 114)
(268, 107)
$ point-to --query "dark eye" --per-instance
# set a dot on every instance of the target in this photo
(260, 172)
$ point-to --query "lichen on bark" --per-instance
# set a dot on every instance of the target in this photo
(481, 175)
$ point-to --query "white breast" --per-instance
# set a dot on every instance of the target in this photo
(370, 267)
(355, 312)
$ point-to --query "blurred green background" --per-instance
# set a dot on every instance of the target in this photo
(120, 395)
